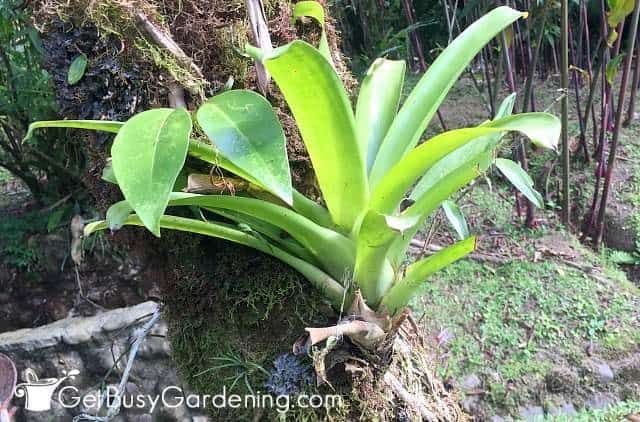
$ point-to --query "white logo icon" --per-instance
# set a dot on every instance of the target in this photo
(38, 392)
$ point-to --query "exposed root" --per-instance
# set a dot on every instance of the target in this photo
(386, 363)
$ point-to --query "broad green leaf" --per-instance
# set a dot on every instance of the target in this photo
(426, 97)
(456, 218)
(117, 214)
(77, 69)
(314, 10)
(335, 251)
(403, 291)
(542, 128)
(612, 68)
(246, 131)
(301, 203)
(102, 125)
(520, 179)
(618, 11)
(328, 286)
(506, 106)
(378, 102)
(442, 180)
(147, 155)
(322, 110)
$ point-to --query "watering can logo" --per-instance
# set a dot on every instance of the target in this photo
(38, 392)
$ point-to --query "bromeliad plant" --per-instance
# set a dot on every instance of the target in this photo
(378, 184)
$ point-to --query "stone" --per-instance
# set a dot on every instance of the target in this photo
(74, 330)
(600, 401)
(470, 404)
(532, 413)
(89, 344)
(603, 372)
(471, 383)
(564, 409)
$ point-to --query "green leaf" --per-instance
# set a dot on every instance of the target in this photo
(373, 272)
(322, 110)
(618, 11)
(55, 217)
(542, 128)
(117, 214)
(613, 67)
(431, 90)
(328, 286)
(378, 102)
(314, 10)
(246, 131)
(302, 204)
(76, 69)
(274, 233)
(107, 173)
(456, 218)
(148, 154)
(102, 125)
(403, 291)
(520, 179)
(442, 180)
(335, 251)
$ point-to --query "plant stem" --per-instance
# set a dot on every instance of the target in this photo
(634, 88)
(618, 122)
(565, 109)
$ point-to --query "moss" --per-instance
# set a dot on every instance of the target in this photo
(118, 18)
(232, 311)
(513, 323)
(231, 39)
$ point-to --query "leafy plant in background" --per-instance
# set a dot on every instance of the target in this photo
(366, 163)
(49, 166)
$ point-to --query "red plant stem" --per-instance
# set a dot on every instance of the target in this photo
(634, 88)
(576, 87)
(566, 163)
(618, 122)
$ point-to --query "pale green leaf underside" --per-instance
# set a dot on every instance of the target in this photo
(455, 216)
(103, 125)
(76, 69)
(330, 288)
(520, 179)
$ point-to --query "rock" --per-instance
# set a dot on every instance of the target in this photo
(533, 413)
(600, 370)
(89, 345)
(604, 373)
(564, 409)
(471, 383)
(74, 331)
(600, 401)
(470, 405)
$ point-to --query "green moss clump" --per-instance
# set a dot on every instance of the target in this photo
(231, 312)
